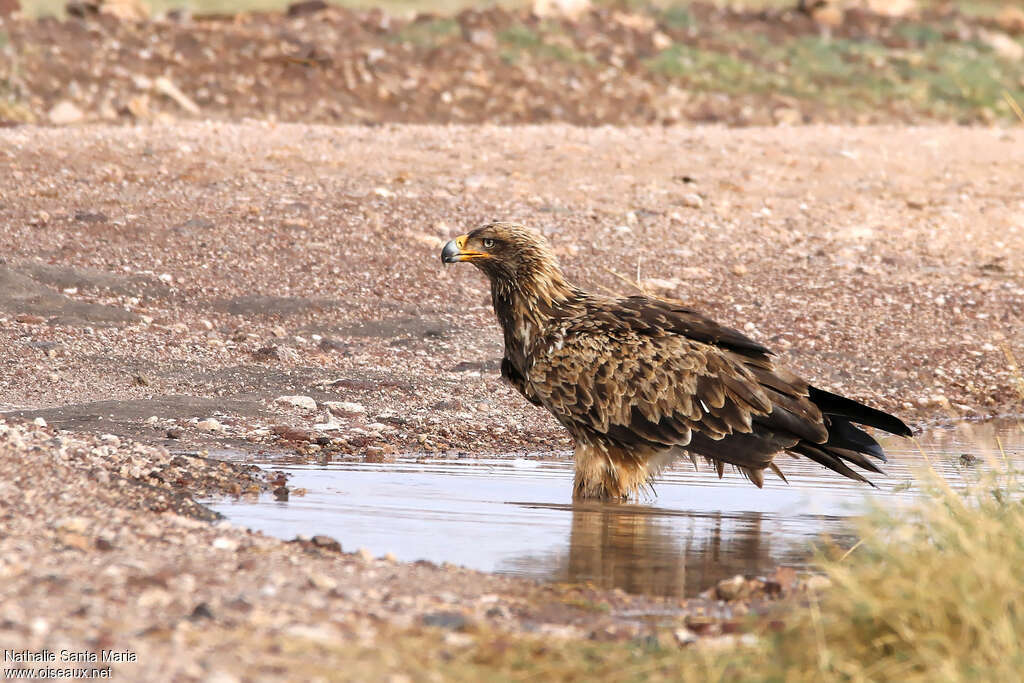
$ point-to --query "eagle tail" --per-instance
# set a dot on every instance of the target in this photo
(840, 406)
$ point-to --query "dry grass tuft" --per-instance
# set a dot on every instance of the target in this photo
(933, 593)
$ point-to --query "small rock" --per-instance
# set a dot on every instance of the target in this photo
(326, 543)
(201, 611)
(302, 402)
(77, 525)
(483, 38)
(364, 555)
(287, 433)
(692, 200)
(968, 460)
(458, 639)
(225, 543)
(65, 113)
(210, 425)
(1003, 45)
(684, 636)
(281, 493)
(269, 352)
(39, 422)
(322, 582)
(731, 589)
(173, 433)
(305, 7)
(661, 41)
(344, 408)
(449, 620)
(164, 86)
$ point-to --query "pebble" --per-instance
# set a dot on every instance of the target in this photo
(684, 636)
(210, 425)
(225, 543)
(449, 620)
(731, 589)
(322, 582)
(78, 525)
(302, 402)
(39, 422)
(342, 408)
(691, 200)
(65, 113)
(325, 542)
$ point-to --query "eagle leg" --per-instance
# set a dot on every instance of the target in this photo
(607, 472)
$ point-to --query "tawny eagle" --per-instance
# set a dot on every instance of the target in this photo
(639, 380)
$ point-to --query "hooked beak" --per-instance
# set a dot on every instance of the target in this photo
(453, 251)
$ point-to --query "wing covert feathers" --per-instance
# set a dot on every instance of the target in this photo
(644, 377)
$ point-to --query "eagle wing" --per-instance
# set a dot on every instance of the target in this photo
(643, 372)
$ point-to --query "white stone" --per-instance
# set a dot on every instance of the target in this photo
(65, 113)
(210, 425)
(342, 407)
(225, 543)
(302, 402)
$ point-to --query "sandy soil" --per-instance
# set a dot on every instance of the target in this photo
(168, 284)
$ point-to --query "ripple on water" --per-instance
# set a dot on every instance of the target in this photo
(515, 515)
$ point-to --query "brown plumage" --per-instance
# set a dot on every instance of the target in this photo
(639, 380)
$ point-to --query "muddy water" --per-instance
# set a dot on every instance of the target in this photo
(515, 515)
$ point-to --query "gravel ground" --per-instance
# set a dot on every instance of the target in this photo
(158, 277)
(101, 551)
(165, 287)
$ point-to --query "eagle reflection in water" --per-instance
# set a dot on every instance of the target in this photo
(641, 549)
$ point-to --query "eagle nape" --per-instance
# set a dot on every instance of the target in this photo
(638, 381)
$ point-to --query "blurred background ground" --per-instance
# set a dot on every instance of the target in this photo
(625, 63)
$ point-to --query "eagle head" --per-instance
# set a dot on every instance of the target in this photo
(506, 253)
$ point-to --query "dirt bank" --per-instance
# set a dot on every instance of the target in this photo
(625, 65)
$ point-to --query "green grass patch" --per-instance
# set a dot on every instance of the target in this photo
(428, 33)
(962, 81)
(678, 17)
(550, 42)
(710, 69)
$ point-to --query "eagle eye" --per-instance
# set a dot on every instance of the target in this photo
(488, 243)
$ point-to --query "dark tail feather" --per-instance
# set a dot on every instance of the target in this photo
(833, 404)
(843, 435)
(828, 460)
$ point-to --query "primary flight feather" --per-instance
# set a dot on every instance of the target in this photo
(639, 380)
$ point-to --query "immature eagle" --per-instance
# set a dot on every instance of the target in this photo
(639, 380)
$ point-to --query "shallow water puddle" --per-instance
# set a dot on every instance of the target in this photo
(515, 515)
